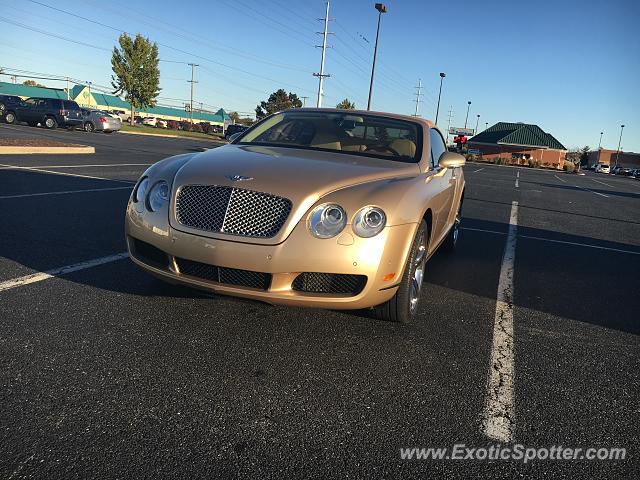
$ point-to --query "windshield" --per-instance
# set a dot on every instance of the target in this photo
(357, 134)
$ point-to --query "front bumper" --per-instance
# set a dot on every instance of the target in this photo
(347, 254)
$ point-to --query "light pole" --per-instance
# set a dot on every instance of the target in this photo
(382, 8)
(486, 125)
(477, 121)
(442, 75)
(467, 117)
(619, 142)
(600, 141)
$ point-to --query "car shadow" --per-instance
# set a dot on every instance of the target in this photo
(558, 277)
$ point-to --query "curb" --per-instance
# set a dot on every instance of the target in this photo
(15, 150)
(170, 136)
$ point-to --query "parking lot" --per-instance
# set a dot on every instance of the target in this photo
(109, 373)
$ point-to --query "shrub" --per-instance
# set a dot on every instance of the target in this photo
(205, 127)
(568, 167)
(185, 125)
(197, 127)
(172, 124)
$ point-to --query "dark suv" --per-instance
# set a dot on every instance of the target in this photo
(50, 112)
(235, 128)
(7, 102)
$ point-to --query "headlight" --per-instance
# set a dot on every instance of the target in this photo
(369, 221)
(141, 190)
(158, 195)
(327, 220)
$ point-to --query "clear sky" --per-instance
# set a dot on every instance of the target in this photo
(572, 67)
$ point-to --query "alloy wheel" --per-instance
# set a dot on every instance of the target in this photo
(417, 273)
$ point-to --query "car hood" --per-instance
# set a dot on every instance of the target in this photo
(302, 176)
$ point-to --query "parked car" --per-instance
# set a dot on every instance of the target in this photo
(602, 168)
(8, 102)
(49, 112)
(150, 121)
(160, 123)
(625, 172)
(614, 170)
(97, 120)
(636, 174)
(235, 128)
(316, 207)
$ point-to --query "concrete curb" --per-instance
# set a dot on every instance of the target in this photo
(16, 150)
(181, 137)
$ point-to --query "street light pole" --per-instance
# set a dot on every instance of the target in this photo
(486, 125)
(442, 75)
(619, 142)
(600, 141)
(381, 7)
(467, 117)
(477, 121)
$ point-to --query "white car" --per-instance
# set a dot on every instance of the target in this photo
(151, 121)
(160, 123)
(602, 168)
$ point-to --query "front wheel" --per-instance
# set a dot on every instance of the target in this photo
(10, 117)
(404, 304)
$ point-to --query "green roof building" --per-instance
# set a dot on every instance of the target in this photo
(521, 143)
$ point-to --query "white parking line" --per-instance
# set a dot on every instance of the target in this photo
(518, 179)
(66, 192)
(33, 169)
(597, 193)
(89, 166)
(479, 170)
(56, 272)
(602, 183)
(563, 181)
(552, 240)
(498, 416)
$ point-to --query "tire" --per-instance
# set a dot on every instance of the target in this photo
(89, 127)
(10, 117)
(404, 304)
(450, 243)
(50, 123)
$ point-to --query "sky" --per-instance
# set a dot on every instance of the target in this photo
(571, 67)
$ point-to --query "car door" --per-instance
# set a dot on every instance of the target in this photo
(27, 110)
(445, 181)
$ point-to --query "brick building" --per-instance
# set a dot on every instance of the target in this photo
(519, 143)
(625, 159)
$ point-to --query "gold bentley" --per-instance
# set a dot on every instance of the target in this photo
(325, 208)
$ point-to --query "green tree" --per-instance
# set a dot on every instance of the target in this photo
(33, 83)
(346, 104)
(135, 65)
(235, 117)
(278, 101)
(584, 155)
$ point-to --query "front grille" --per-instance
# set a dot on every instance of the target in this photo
(228, 276)
(313, 282)
(230, 210)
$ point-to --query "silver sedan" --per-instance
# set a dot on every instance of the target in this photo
(98, 120)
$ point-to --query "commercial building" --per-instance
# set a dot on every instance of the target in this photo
(82, 95)
(609, 157)
(519, 143)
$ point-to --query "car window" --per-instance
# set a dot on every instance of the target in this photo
(31, 101)
(352, 133)
(437, 146)
(70, 105)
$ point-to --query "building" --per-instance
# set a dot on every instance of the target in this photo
(519, 143)
(608, 157)
(84, 97)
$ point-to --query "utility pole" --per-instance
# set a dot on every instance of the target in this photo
(89, 100)
(619, 143)
(68, 88)
(418, 94)
(321, 75)
(442, 75)
(304, 101)
(449, 122)
(467, 118)
(192, 81)
(382, 8)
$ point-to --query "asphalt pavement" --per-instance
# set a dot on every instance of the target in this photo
(106, 372)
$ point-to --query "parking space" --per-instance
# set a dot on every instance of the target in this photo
(104, 367)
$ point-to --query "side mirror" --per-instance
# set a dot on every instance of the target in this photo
(233, 137)
(451, 160)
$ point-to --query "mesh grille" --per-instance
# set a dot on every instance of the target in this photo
(231, 210)
(228, 276)
(329, 283)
